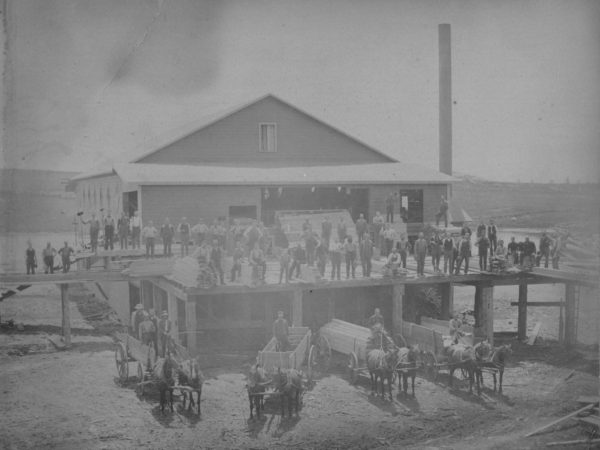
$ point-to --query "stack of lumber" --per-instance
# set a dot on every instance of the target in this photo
(345, 337)
(185, 271)
(291, 223)
(149, 267)
(497, 265)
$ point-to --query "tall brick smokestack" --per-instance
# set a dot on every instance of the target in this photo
(445, 120)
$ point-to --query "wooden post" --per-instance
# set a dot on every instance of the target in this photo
(570, 316)
(447, 291)
(191, 327)
(484, 313)
(297, 308)
(522, 313)
(66, 314)
(397, 307)
(172, 310)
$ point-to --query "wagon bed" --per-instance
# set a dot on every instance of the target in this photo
(299, 339)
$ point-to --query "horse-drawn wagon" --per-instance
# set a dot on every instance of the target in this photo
(177, 371)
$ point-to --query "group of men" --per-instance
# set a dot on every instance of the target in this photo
(151, 330)
(48, 255)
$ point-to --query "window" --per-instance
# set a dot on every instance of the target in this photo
(268, 138)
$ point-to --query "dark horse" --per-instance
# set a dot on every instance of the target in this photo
(381, 366)
(289, 385)
(256, 386)
(461, 357)
(165, 370)
(407, 367)
(191, 377)
(496, 362)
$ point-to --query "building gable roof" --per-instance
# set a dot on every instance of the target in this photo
(219, 117)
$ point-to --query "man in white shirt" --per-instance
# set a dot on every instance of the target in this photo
(136, 228)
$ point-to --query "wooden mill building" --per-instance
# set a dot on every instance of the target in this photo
(260, 158)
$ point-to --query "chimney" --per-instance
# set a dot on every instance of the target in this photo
(445, 119)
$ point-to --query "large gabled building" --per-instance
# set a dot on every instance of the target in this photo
(257, 159)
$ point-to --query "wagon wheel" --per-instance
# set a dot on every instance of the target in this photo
(353, 367)
(431, 366)
(121, 360)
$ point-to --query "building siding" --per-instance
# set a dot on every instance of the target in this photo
(234, 140)
(195, 202)
(98, 193)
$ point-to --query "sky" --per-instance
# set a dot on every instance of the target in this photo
(96, 82)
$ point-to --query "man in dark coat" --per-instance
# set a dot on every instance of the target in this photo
(65, 253)
(361, 227)
(464, 253)
(545, 243)
(420, 254)
(326, 227)
(366, 254)
(167, 231)
(492, 232)
(281, 332)
(483, 244)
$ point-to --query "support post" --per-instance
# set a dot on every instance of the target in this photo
(191, 327)
(522, 313)
(570, 316)
(447, 292)
(297, 308)
(397, 307)
(66, 314)
(172, 310)
(484, 313)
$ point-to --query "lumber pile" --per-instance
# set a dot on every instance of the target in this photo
(186, 271)
(345, 337)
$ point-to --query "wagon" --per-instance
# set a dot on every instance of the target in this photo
(351, 340)
(429, 336)
(132, 351)
(299, 338)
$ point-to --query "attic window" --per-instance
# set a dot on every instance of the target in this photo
(268, 138)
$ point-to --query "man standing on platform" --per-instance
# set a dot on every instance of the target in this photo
(361, 227)
(513, 250)
(184, 233)
(167, 231)
(403, 247)
(350, 250)
(378, 222)
(94, 231)
(420, 254)
(164, 332)
(238, 254)
(483, 244)
(326, 227)
(30, 259)
(281, 332)
(341, 230)
(321, 257)
(389, 236)
(545, 243)
(149, 235)
(123, 229)
(48, 254)
(443, 212)
(335, 254)
(65, 253)
(448, 246)
(464, 253)
(481, 230)
(492, 232)
(109, 231)
(298, 258)
(284, 266)
(136, 229)
(366, 254)
(216, 259)
(389, 208)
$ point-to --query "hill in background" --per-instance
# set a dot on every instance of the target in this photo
(36, 201)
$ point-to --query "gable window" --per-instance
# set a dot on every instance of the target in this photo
(268, 138)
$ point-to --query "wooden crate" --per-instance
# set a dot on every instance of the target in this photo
(299, 339)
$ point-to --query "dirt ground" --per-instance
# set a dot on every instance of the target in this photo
(72, 400)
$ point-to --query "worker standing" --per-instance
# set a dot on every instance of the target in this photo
(164, 332)
(149, 234)
(281, 332)
(420, 254)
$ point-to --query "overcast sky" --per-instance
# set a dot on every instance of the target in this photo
(93, 81)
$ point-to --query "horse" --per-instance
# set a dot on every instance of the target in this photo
(407, 367)
(164, 370)
(463, 357)
(381, 366)
(256, 386)
(192, 378)
(289, 385)
(496, 362)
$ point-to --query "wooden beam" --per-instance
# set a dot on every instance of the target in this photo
(534, 304)
(297, 319)
(191, 327)
(397, 308)
(562, 419)
(66, 314)
(570, 315)
(522, 313)
(484, 313)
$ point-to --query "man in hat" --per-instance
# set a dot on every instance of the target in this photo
(147, 330)
(420, 254)
(149, 235)
(65, 253)
(164, 331)
(281, 331)
(136, 228)
(94, 231)
(376, 318)
(455, 328)
(184, 232)
(167, 231)
(109, 231)
(136, 318)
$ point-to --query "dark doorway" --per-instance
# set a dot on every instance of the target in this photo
(411, 205)
(130, 203)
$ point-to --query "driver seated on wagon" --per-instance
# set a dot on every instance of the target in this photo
(456, 332)
(380, 339)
